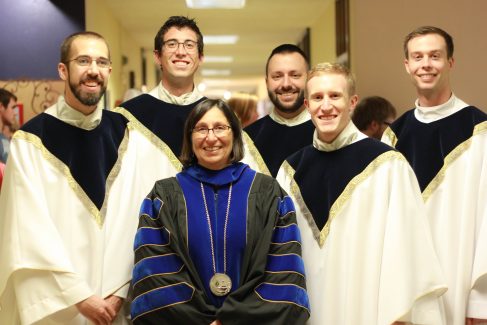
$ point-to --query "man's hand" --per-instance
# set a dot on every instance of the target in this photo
(97, 310)
(475, 321)
(217, 322)
(115, 302)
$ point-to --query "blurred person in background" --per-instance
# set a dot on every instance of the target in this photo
(8, 103)
(373, 115)
(245, 107)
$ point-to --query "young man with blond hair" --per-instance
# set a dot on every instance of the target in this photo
(366, 244)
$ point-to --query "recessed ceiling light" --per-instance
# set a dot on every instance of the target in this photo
(207, 4)
(215, 72)
(218, 59)
(220, 39)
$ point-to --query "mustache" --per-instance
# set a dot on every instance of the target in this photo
(287, 90)
(91, 79)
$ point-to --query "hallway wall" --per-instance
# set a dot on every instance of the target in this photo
(377, 32)
(100, 19)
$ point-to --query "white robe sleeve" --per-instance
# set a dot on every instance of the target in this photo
(477, 302)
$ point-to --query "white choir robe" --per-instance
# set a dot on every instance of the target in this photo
(456, 208)
(57, 247)
(376, 264)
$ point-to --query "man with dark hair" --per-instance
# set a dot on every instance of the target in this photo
(366, 245)
(8, 102)
(288, 127)
(67, 216)
(156, 119)
(373, 115)
(445, 141)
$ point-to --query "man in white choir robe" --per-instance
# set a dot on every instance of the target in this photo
(156, 119)
(288, 127)
(367, 249)
(445, 141)
(68, 218)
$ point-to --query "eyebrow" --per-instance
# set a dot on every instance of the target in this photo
(430, 51)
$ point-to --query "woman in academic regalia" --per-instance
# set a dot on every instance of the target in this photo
(218, 243)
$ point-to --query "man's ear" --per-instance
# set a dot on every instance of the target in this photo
(374, 126)
(406, 65)
(157, 57)
(451, 62)
(353, 102)
(62, 70)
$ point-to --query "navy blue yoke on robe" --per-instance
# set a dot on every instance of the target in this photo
(275, 142)
(164, 120)
(331, 172)
(173, 262)
(426, 145)
(90, 155)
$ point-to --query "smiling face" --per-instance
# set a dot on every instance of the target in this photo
(178, 65)
(285, 80)
(212, 152)
(329, 104)
(429, 66)
(85, 84)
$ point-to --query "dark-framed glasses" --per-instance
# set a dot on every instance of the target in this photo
(85, 61)
(218, 131)
(173, 45)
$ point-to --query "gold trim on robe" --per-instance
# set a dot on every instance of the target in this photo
(98, 215)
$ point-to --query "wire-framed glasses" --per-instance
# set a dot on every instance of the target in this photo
(218, 131)
(85, 61)
(173, 45)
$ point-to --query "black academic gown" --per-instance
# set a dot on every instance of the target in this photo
(173, 260)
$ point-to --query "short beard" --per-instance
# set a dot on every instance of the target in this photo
(298, 103)
(90, 99)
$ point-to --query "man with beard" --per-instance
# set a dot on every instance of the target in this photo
(156, 119)
(67, 222)
(288, 127)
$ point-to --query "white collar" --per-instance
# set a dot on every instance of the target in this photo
(349, 135)
(435, 113)
(62, 111)
(299, 119)
(163, 94)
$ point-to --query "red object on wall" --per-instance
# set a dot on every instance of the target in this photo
(19, 113)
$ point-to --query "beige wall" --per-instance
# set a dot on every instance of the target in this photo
(377, 32)
(34, 95)
(100, 19)
(323, 36)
